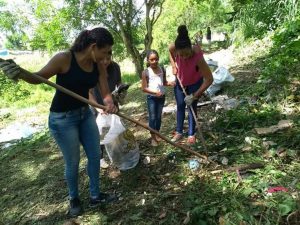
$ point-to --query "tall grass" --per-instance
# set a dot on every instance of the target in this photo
(22, 94)
(255, 19)
(130, 78)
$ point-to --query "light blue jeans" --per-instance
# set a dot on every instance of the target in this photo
(70, 129)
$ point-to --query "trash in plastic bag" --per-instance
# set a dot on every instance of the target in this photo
(213, 65)
(224, 102)
(220, 75)
(120, 144)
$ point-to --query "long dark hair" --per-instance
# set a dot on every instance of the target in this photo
(101, 36)
(152, 51)
(182, 40)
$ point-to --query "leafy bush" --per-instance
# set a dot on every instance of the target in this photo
(257, 18)
(11, 92)
(23, 94)
(284, 56)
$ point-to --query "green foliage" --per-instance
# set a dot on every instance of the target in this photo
(10, 91)
(197, 15)
(254, 19)
(52, 33)
(13, 23)
(7, 20)
(247, 118)
(23, 94)
(17, 41)
(283, 63)
(50, 36)
(130, 78)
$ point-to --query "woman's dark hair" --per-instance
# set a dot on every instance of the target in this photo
(101, 36)
(182, 41)
(150, 52)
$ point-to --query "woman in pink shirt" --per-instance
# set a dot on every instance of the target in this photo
(189, 66)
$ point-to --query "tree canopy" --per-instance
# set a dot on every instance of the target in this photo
(137, 26)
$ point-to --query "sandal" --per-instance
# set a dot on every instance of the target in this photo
(154, 143)
(158, 139)
(176, 137)
(191, 140)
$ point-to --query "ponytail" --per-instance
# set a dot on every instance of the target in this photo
(101, 36)
(182, 41)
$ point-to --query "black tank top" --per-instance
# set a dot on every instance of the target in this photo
(76, 80)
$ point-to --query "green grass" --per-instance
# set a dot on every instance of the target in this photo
(130, 78)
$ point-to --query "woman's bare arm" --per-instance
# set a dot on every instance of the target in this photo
(59, 63)
(207, 75)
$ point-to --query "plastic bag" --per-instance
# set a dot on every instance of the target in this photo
(220, 75)
(213, 65)
(120, 144)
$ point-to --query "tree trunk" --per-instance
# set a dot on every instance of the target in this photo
(148, 37)
(124, 20)
(136, 57)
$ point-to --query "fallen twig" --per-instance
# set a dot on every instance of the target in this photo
(239, 168)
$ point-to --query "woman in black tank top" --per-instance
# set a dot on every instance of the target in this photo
(70, 121)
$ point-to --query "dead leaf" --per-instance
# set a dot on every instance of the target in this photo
(282, 124)
(221, 220)
(187, 218)
(267, 144)
(281, 152)
(162, 215)
(72, 222)
(224, 161)
(247, 149)
(114, 173)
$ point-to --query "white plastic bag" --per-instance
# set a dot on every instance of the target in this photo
(220, 75)
(120, 144)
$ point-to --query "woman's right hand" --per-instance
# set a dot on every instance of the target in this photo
(110, 106)
(172, 83)
(159, 94)
(10, 69)
(100, 111)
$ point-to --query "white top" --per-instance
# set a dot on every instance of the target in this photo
(155, 81)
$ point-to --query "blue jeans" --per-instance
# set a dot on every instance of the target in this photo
(155, 107)
(180, 115)
(69, 129)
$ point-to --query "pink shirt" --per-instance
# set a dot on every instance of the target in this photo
(187, 69)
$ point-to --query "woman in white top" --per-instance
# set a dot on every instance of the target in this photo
(153, 82)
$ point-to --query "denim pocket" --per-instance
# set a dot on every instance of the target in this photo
(57, 115)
